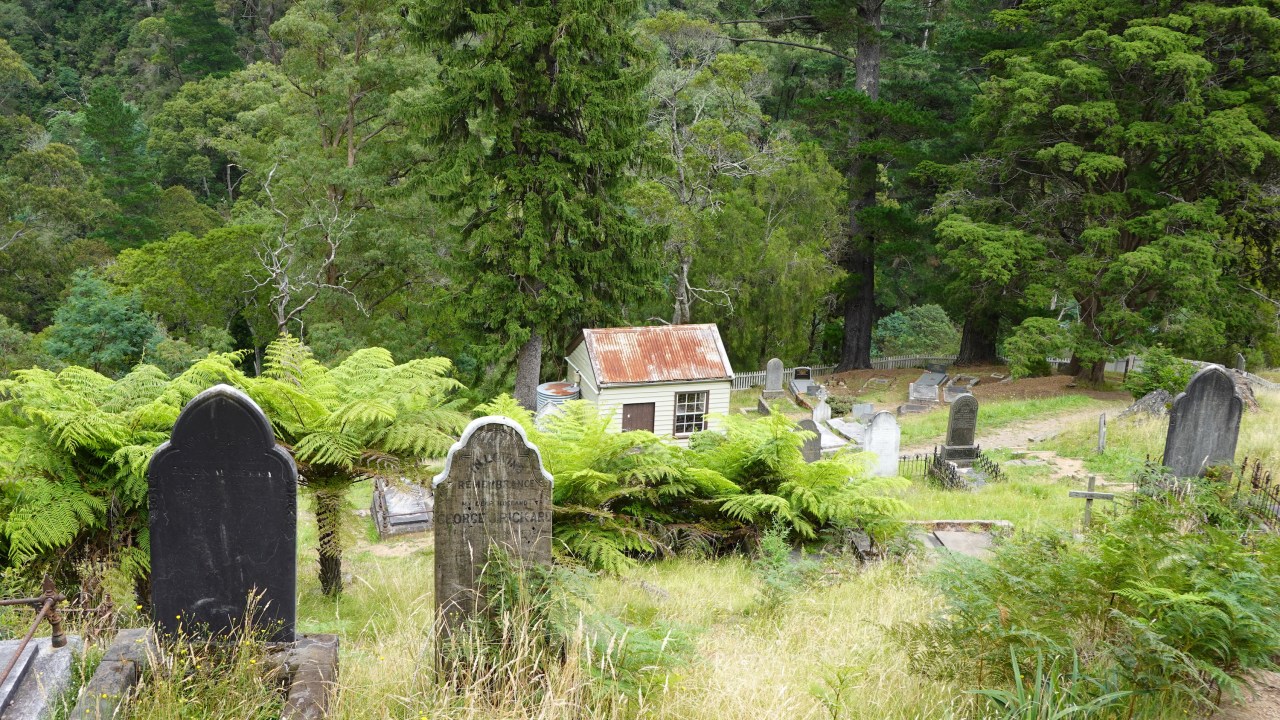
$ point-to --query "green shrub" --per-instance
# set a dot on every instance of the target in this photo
(1161, 370)
(781, 575)
(1036, 339)
(1163, 600)
(917, 330)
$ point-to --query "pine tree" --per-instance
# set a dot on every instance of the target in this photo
(115, 146)
(203, 44)
(539, 114)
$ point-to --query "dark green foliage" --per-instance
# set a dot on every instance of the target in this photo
(539, 116)
(1161, 370)
(99, 327)
(917, 330)
(115, 146)
(1036, 339)
(204, 45)
(1164, 600)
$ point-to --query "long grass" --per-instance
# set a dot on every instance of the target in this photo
(1133, 440)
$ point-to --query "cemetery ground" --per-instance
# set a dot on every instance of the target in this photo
(735, 643)
(823, 652)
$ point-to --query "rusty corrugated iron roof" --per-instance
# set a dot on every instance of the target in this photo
(665, 353)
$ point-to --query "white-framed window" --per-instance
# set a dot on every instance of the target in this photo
(691, 412)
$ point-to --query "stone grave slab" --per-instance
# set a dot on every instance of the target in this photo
(492, 493)
(849, 429)
(884, 438)
(401, 507)
(1204, 424)
(877, 383)
(913, 409)
(39, 680)
(973, 544)
(773, 372)
(811, 451)
(762, 406)
(862, 411)
(223, 519)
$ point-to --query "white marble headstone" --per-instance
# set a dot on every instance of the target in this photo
(884, 438)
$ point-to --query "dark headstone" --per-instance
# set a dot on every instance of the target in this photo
(812, 448)
(962, 426)
(773, 379)
(762, 406)
(493, 493)
(1204, 424)
(223, 520)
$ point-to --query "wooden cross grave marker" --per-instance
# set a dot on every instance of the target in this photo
(1089, 496)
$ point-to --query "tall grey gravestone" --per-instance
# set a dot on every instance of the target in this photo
(962, 427)
(773, 380)
(1204, 424)
(811, 451)
(1241, 364)
(493, 493)
(884, 438)
(223, 518)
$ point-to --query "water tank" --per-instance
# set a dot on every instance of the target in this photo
(557, 393)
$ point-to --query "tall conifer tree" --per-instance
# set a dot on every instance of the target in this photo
(539, 113)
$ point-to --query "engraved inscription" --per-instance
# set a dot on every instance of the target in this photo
(494, 493)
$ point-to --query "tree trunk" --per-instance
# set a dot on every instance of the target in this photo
(978, 339)
(859, 311)
(863, 176)
(681, 314)
(329, 527)
(528, 371)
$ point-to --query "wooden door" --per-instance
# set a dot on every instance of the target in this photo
(637, 416)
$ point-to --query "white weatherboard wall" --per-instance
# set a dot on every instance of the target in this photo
(663, 397)
(580, 372)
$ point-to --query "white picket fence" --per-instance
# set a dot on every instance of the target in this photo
(742, 381)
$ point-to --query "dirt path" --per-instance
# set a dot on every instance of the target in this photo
(1021, 434)
(1265, 706)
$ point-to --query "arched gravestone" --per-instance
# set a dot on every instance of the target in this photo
(493, 492)
(1204, 424)
(962, 427)
(884, 438)
(223, 520)
(773, 371)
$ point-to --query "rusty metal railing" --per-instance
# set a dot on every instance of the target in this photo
(46, 606)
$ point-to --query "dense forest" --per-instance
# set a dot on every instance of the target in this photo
(827, 181)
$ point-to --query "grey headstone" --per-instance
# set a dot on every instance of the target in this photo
(1204, 424)
(962, 426)
(812, 448)
(821, 412)
(37, 683)
(862, 411)
(223, 515)
(1241, 363)
(493, 493)
(773, 379)
(1102, 433)
(762, 406)
(884, 438)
